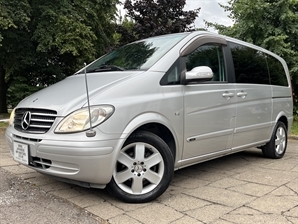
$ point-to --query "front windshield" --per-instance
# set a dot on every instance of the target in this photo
(138, 55)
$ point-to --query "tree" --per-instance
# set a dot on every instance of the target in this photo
(271, 24)
(12, 16)
(156, 17)
(41, 42)
(124, 31)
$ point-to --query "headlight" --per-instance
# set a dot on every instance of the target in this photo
(79, 120)
(11, 118)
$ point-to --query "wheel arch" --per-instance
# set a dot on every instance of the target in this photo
(283, 118)
(156, 124)
(163, 132)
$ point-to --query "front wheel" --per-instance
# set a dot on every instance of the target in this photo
(277, 145)
(144, 169)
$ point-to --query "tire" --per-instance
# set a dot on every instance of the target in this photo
(144, 169)
(277, 145)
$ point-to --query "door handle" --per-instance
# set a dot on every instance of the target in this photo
(227, 95)
(242, 94)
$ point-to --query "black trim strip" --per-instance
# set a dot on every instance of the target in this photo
(279, 97)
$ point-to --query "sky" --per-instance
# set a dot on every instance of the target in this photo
(210, 11)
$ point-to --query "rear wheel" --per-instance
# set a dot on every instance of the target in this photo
(277, 145)
(144, 169)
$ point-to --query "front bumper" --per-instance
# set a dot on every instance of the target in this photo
(79, 160)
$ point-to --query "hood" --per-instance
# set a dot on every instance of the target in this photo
(70, 93)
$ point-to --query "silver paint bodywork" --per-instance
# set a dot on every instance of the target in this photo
(206, 121)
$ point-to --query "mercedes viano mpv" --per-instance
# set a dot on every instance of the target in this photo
(152, 107)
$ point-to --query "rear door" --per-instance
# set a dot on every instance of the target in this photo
(253, 95)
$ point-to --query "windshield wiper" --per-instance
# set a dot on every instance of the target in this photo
(105, 68)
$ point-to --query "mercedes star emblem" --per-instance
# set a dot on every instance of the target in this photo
(26, 120)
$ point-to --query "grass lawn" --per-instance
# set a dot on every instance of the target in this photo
(4, 116)
(3, 125)
(294, 130)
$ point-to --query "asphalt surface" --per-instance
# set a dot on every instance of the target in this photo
(240, 188)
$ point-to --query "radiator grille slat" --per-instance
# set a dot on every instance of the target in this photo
(37, 121)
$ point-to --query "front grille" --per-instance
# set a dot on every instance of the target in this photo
(35, 121)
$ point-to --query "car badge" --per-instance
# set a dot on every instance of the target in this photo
(26, 119)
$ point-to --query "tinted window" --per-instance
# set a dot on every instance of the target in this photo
(172, 77)
(208, 55)
(250, 65)
(138, 55)
(276, 71)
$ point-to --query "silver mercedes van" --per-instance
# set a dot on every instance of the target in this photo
(131, 118)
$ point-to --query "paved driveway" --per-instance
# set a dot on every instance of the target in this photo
(240, 188)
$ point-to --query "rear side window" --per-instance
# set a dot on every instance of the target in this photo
(276, 71)
(250, 65)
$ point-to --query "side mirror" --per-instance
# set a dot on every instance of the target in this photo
(201, 73)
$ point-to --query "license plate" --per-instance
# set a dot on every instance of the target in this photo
(20, 153)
